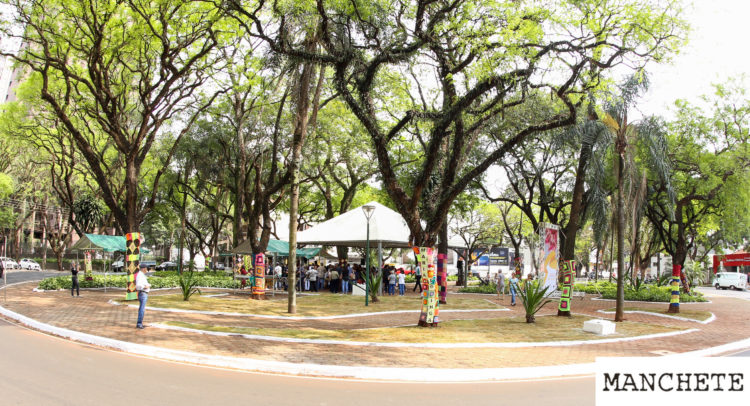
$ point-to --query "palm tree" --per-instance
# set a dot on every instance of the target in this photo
(637, 145)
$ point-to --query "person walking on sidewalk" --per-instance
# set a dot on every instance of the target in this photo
(401, 283)
(513, 289)
(418, 276)
(74, 287)
(500, 284)
(143, 287)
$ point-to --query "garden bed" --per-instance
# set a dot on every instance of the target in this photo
(499, 330)
(310, 306)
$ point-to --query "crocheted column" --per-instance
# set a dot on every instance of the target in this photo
(674, 302)
(132, 262)
(430, 306)
(442, 276)
(87, 266)
(567, 288)
(259, 288)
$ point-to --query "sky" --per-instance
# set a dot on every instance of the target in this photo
(717, 49)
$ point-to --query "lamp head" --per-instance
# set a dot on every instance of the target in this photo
(368, 209)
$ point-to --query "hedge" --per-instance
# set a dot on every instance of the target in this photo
(120, 281)
(489, 288)
(648, 293)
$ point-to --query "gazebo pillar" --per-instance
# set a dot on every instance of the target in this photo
(380, 267)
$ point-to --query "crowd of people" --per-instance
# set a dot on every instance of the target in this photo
(338, 277)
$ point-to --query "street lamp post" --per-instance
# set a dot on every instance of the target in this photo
(368, 209)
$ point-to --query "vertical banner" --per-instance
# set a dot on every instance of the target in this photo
(259, 287)
(674, 301)
(132, 262)
(567, 288)
(548, 268)
(430, 306)
(442, 276)
(87, 266)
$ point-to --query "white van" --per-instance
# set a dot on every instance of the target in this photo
(730, 280)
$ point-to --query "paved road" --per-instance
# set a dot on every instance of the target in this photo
(36, 369)
(740, 294)
(24, 276)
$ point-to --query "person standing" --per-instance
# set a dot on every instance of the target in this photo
(277, 275)
(513, 289)
(418, 276)
(391, 284)
(321, 277)
(312, 276)
(74, 287)
(334, 280)
(500, 284)
(143, 287)
(344, 279)
(401, 283)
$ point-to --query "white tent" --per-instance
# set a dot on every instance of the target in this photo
(387, 229)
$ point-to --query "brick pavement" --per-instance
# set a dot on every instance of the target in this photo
(92, 314)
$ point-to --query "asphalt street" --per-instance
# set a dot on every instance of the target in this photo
(36, 369)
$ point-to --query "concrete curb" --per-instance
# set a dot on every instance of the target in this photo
(336, 371)
(708, 320)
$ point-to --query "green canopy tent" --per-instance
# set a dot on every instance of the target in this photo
(105, 243)
(276, 248)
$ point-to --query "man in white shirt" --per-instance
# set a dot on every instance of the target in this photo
(277, 275)
(312, 276)
(142, 286)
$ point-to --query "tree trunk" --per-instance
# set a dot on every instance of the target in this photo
(619, 311)
(442, 263)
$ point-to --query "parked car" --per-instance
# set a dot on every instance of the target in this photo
(166, 265)
(9, 263)
(27, 263)
(730, 280)
(118, 265)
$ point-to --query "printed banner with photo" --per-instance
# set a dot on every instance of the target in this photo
(548, 268)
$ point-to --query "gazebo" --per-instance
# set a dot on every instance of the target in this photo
(387, 230)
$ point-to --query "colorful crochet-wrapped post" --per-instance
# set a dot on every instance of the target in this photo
(442, 277)
(87, 266)
(132, 262)
(517, 270)
(430, 307)
(674, 301)
(259, 291)
(567, 288)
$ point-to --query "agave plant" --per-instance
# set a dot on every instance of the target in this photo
(533, 297)
(188, 285)
(374, 286)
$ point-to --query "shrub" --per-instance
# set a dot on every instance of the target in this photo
(188, 285)
(533, 297)
(646, 293)
(120, 281)
(490, 288)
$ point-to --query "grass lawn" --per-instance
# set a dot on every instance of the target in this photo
(547, 328)
(700, 315)
(313, 305)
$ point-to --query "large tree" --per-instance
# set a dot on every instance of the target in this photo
(463, 72)
(118, 74)
(710, 156)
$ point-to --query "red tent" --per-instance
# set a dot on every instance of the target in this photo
(738, 258)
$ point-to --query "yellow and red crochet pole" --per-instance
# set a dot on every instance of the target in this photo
(132, 262)
(674, 302)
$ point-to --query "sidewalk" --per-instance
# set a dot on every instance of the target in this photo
(94, 315)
